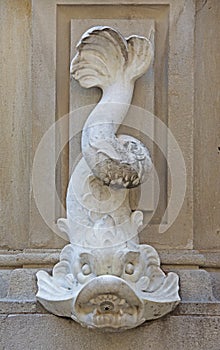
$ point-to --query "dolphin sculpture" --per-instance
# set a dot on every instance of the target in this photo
(105, 279)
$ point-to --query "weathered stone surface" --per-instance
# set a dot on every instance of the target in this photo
(48, 257)
(40, 332)
(4, 282)
(196, 285)
(43, 116)
(22, 284)
(207, 130)
(215, 278)
(9, 307)
(105, 279)
(184, 333)
(198, 308)
(29, 257)
(168, 45)
(15, 113)
(198, 288)
(190, 257)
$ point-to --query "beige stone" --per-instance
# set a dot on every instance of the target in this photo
(163, 96)
(197, 316)
(50, 332)
(15, 92)
(195, 324)
(196, 285)
(207, 130)
(4, 282)
(48, 257)
(22, 284)
(91, 284)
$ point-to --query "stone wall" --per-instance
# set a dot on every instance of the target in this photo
(35, 87)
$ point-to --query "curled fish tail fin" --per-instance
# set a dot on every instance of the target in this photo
(140, 55)
(101, 55)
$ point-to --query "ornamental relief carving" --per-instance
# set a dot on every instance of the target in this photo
(105, 279)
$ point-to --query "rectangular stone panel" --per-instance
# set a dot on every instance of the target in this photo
(144, 95)
(15, 91)
(207, 127)
(173, 96)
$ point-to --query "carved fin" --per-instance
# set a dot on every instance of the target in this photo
(104, 56)
(102, 53)
(48, 289)
(167, 292)
(140, 55)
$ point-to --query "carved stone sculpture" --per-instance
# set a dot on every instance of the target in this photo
(105, 279)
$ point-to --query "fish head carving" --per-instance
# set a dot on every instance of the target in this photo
(108, 303)
(108, 289)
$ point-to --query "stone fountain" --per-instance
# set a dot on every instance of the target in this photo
(105, 279)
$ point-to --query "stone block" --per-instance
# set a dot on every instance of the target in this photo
(4, 282)
(22, 285)
(196, 285)
(49, 332)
